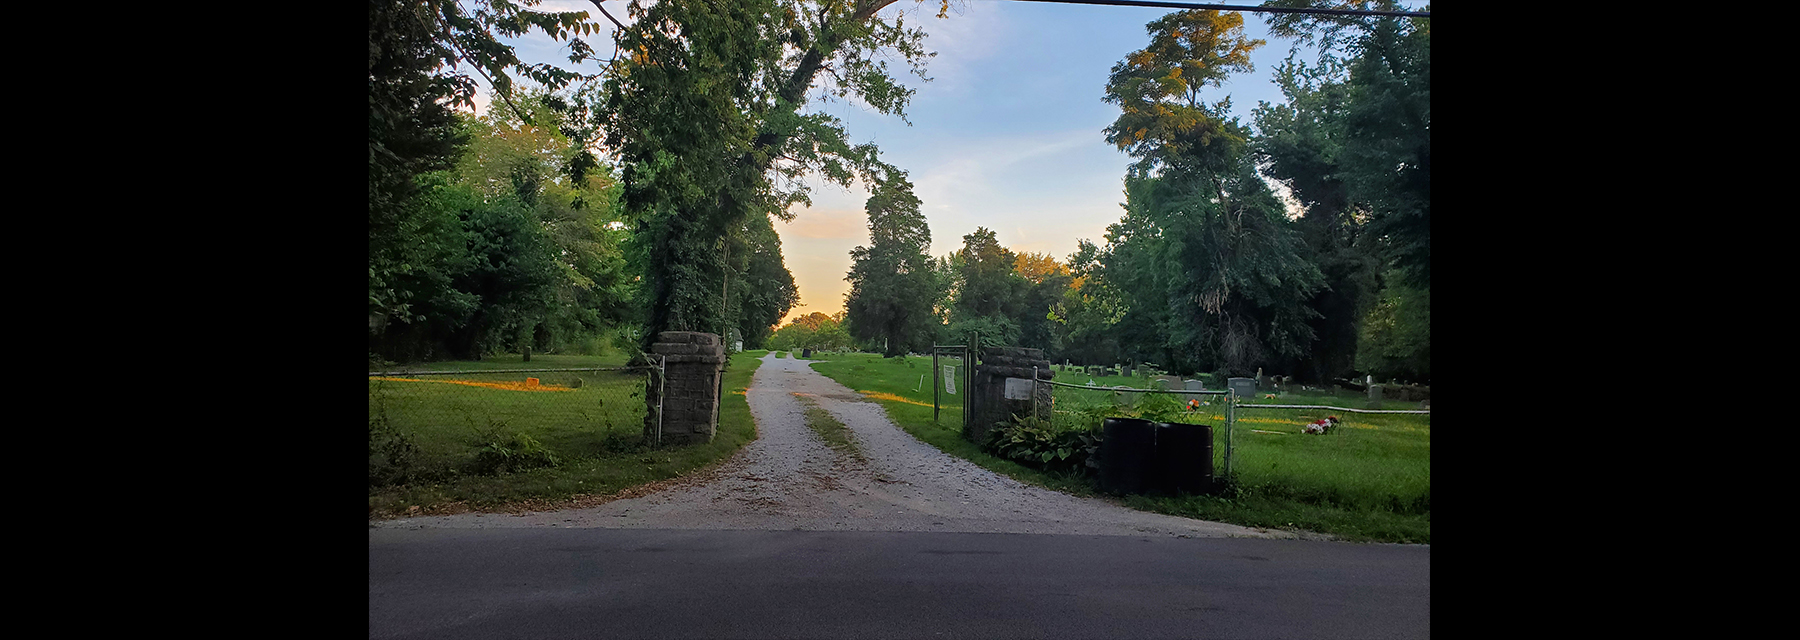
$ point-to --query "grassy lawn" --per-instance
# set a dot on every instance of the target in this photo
(593, 430)
(1370, 480)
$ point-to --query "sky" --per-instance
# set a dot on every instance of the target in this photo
(1007, 134)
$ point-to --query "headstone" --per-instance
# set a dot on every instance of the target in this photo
(1171, 383)
(1131, 371)
(1374, 393)
(1245, 388)
(528, 353)
(1194, 385)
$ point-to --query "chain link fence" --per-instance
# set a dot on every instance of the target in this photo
(433, 424)
(1376, 455)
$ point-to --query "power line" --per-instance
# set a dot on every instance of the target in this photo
(1234, 7)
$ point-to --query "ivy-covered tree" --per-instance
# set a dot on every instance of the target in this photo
(705, 114)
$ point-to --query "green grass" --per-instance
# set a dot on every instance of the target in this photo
(595, 431)
(1370, 480)
(511, 361)
(833, 432)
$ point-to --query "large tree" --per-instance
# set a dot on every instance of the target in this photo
(1204, 251)
(892, 287)
(1353, 140)
(761, 285)
(1384, 156)
(988, 290)
(420, 53)
(704, 111)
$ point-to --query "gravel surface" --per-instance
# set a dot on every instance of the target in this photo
(789, 479)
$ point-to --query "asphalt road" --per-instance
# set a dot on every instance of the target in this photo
(651, 583)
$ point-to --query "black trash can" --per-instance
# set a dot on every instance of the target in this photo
(806, 353)
(1183, 461)
(1127, 452)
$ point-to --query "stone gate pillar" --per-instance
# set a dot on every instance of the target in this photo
(989, 401)
(690, 390)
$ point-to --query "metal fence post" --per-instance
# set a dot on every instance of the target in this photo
(1034, 392)
(1230, 421)
(662, 377)
(934, 383)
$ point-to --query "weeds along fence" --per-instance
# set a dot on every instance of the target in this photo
(1378, 457)
(431, 424)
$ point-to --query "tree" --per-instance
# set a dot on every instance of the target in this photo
(1300, 143)
(812, 331)
(1204, 251)
(1046, 281)
(1353, 140)
(1089, 313)
(762, 285)
(1385, 156)
(892, 287)
(412, 131)
(987, 290)
(704, 113)
(1396, 334)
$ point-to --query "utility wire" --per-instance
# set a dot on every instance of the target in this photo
(1234, 7)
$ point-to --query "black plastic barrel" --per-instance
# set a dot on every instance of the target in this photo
(1183, 459)
(1127, 451)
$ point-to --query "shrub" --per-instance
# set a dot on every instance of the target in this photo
(393, 457)
(495, 453)
(1039, 444)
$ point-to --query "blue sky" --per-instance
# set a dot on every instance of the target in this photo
(1007, 135)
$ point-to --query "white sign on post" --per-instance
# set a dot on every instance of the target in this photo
(1018, 389)
(950, 379)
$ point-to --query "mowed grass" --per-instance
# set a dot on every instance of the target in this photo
(1368, 480)
(512, 361)
(594, 430)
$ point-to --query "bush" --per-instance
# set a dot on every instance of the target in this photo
(517, 452)
(393, 457)
(1040, 445)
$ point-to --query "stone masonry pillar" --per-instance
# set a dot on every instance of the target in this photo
(690, 402)
(988, 395)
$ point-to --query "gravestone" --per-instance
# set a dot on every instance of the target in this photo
(1374, 393)
(1194, 385)
(1131, 370)
(528, 353)
(1245, 388)
(1171, 383)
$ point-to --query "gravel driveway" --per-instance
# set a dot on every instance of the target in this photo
(789, 479)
